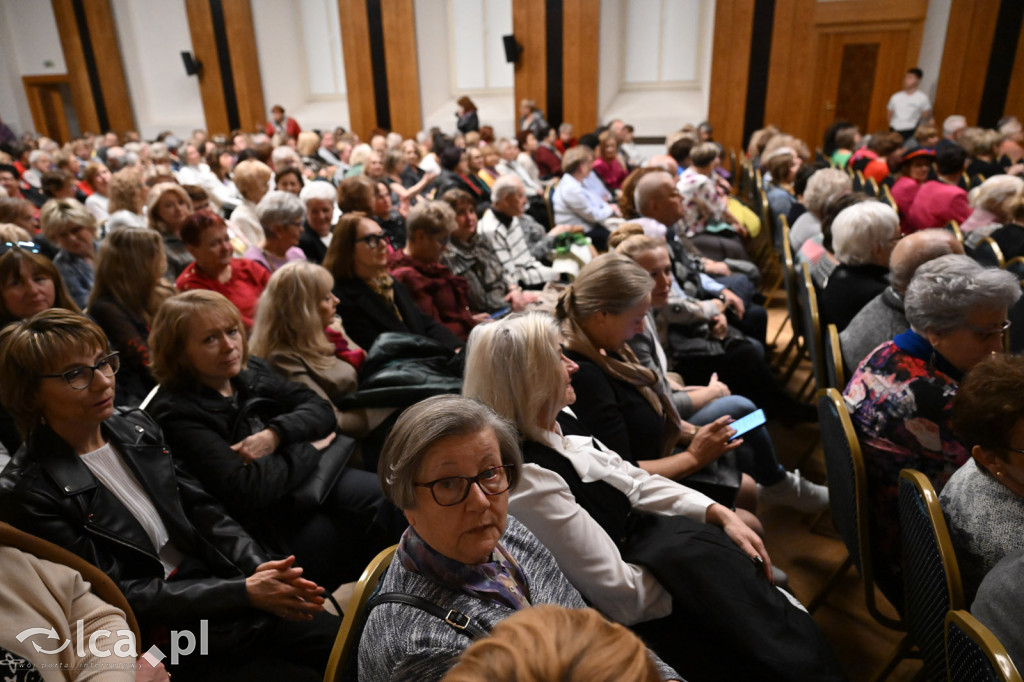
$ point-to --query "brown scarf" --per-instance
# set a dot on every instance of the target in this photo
(632, 372)
(384, 286)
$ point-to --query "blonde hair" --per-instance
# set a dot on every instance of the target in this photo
(37, 346)
(126, 272)
(622, 233)
(550, 642)
(171, 328)
(609, 284)
(250, 176)
(155, 195)
(513, 367)
(59, 216)
(636, 244)
(287, 318)
(125, 190)
(1002, 195)
(307, 143)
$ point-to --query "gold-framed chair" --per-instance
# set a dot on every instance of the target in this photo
(987, 252)
(1015, 266)
(811, 320)
(954, 227)
(974, 653)
(832, 352)
(931, 576)
(340, 664)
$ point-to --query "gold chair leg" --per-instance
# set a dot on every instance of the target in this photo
(825, 589)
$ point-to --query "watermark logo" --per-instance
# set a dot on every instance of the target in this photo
(183, 643)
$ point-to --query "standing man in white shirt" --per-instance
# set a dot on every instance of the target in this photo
(908, 107)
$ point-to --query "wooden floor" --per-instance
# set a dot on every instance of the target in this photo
(810, 554)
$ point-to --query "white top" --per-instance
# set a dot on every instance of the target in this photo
(106, 465)
(907, 109)
(573, 204)
(247, 223)
(98, 205)
(511, 249)
(586, 554)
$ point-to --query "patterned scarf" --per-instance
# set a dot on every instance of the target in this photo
(629, 370)
(384, 286)
(499, 580)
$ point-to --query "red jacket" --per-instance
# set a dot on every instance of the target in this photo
(291, 127)
(935, 204)
(437, 291)
(248, 279)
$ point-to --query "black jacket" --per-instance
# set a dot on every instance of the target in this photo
(850, 288)
(366, 315)
(48, 491)
(311, 244)
(199, 425)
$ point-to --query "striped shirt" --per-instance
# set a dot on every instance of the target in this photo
(513, 251)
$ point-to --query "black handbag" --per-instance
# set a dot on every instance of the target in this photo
(314, 489)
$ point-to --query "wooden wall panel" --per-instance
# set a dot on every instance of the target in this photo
(972, 26)
(103, 32)
(1015, 92)
(789, 103)
(204, 47)
(730, 63)
(74, 57)
(355, 31)
(399, 24)
(245, 64)
(529, 24)
(581, 22)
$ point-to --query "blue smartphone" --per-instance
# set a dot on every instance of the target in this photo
(501, 313)
(744, 424)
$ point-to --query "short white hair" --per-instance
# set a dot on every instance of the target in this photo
(279, 208)
(505, 185)
(860, 229)
(823, 185)
(283, 153)
(318, 189)
(953, 124)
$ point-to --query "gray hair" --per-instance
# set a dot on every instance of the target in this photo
(283, 153)
(279, 208)
(996, 195)
(953, 124)
(646, 188)
(424, 424)
(318, 190)
(506, 185)
(917, 249)
(944, 291)
(37, 154)
(823, 185)
(860, 229)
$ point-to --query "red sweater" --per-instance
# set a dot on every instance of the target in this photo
(248, 279)
(437, 291)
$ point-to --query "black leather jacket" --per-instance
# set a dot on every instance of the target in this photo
(48, 491)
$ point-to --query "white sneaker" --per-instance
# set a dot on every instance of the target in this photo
(796, 492)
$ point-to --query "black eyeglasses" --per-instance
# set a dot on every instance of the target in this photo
(21, 246)
(452, 490)
(374, 240)
(991, 331)
(81, 378)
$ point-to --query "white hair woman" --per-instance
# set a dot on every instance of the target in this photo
(822, 186)
(900, 398)
(450, 463)
(281, 216)
(863, 237)
(998, 212)
(318, 198)
(252, 178)
(638, 546)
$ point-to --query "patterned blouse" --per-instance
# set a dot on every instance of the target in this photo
(701, 203)
(900, 401)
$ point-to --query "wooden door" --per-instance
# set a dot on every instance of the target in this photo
(47, 100)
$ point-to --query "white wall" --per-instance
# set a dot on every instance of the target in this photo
(152, 36)
(30, 47)
(933, 41)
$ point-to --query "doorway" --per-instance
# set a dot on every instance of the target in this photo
(53, 113)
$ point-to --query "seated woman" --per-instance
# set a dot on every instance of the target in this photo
(394, 167)
(437, 291)
(128, 195)
(215, 268)
(370, 300)
(455, 175)
(489, 173)
(71, 227)
(288, 180)
(984, 500)
(900, 398)
(298, 333)
(255, 441)
(863, 237)
(449, 463)
(550, 642)
(992, 205)
(100, 483)
(806, 236)
(1010, 237)
(607, 164)
(913, 172)
(646, 551)
(169, 208)
(781, 165)
(702, 405)
(252, 178)
(128, 291)
(318, 198)
(97, 176)
(281, 216)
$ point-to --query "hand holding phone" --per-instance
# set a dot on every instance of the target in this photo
(744, 424)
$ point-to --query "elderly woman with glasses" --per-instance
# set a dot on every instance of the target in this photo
(901, 397)
(450, 463)
(371, 301)
(281, 215)
(102, 483)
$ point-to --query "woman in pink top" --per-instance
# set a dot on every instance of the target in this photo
(913, 171)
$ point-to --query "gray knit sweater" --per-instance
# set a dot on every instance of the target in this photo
(402, 642)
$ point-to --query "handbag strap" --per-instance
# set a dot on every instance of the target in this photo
(457, 620)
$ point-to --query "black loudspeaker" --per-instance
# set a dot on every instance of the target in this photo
(512, 49)
(192, 65)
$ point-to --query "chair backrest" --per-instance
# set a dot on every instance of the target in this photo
(887, 195)
(789, 282)
(987, 252)
(341, 664)
(549, 193)
(811, 323)
(835, 374)
(1015, 266)
(149, 397)
(871, 187)
(954, 227)
(931, 576)
(847, 491)
(974, 654)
